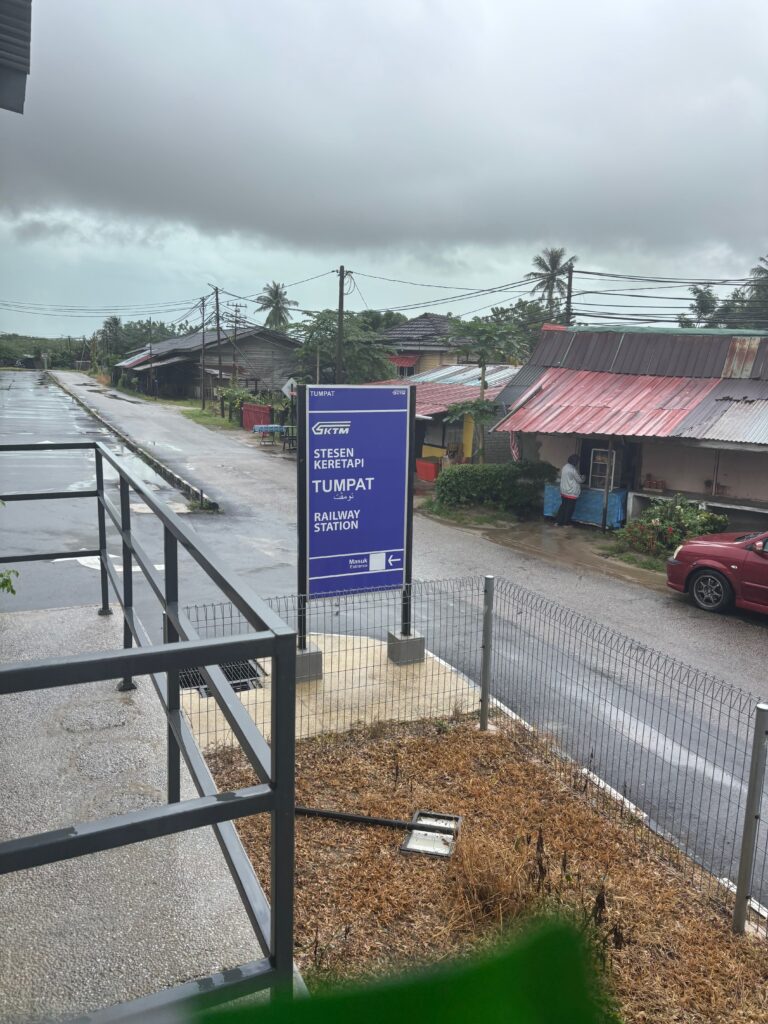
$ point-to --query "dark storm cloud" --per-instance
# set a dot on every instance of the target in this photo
(42, 229)
(339, 124)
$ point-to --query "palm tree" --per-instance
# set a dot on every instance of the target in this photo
(759, 274)
(551, 267)
(275, 298)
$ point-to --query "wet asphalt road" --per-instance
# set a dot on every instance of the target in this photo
(670, 750)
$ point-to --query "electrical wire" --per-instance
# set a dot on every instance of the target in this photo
(416, 284)
(358, 290)
(703, 280)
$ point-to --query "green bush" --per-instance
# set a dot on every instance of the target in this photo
(665, 524)
(236, 397)
(516, 486)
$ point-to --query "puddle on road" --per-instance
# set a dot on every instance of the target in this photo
(122, 398)
(175, 506)
(55, 411)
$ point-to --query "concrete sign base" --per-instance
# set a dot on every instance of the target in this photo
(405, 650)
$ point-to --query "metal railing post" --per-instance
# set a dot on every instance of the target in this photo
(751, 817)
(171, 636)
(485, 671)
(283, 816)
(105, 609)
(127, 682)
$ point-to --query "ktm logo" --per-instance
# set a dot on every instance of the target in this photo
(332, 427)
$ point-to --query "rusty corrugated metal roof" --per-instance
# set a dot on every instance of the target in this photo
(584, 402)
(735, 411)
(134, 360)
(437, 389)
(741, 357)
(681, 353)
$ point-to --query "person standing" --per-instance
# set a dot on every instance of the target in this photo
(570, 489)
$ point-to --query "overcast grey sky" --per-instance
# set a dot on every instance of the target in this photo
(166, 145)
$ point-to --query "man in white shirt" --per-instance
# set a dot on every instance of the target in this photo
(570, 489)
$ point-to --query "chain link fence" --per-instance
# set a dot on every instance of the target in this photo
(644, 736)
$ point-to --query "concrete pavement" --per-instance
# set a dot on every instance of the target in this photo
(257, 536)
(113, 926)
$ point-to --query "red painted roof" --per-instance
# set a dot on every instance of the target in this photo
(404, 360)
(584, 402)
(434, 398)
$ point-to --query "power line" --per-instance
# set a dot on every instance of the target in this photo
(293, 284)
(416, 284)
(67, 308)
(358, 289)
(703, 280)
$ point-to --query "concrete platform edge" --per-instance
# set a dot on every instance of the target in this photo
(159, 467)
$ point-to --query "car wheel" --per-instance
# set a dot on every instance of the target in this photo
(710, 591)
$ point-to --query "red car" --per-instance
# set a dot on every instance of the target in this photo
(722, 569)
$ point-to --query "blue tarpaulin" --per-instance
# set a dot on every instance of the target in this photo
(589, 507)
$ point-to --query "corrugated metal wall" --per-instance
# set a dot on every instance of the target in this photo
(15, 35)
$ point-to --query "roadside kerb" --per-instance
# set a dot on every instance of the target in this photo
(197, 493)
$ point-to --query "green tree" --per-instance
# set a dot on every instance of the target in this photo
(704, 308)
(759, 273)
(365, 357)
(139, 333)
(110, 342)
(377, 321)
(485, 340)
(746, 308)
(274, 299)
(551, 269)
(757, 294)
(482, 412)
(523, 322)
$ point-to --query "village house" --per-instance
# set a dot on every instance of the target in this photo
(424, 343)
(651, 412)
(437, 437)
(257, 358)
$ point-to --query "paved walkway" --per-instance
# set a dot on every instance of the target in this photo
(96, 930)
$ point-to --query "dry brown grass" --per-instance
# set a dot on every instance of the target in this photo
(530, 844)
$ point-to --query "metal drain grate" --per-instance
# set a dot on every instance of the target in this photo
(243, 675)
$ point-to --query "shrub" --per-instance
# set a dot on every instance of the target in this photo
(665, 524)
(236, 396)
(516, 486)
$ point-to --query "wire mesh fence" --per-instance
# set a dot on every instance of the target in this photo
(669, 743)
(643, 735)
(360, 683)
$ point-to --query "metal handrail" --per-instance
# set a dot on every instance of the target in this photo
(182, 648)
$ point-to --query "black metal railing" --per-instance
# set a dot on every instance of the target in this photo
(182, 648)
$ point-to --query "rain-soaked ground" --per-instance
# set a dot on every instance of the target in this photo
(33, 409)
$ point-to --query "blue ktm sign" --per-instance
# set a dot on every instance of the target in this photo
(356, 487)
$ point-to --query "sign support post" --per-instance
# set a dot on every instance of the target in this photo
(303, 589)
(405, 623)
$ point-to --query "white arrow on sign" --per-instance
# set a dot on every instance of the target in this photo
(289, 387)
(392, 559)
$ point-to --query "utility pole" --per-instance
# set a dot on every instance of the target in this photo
(569, 295)
(237, 307)
(340, 331)
(202, 357)
(218, 338)
(152, 368)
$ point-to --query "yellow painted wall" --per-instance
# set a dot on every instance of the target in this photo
(428, 361)
(431, 451)
(468, 437)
